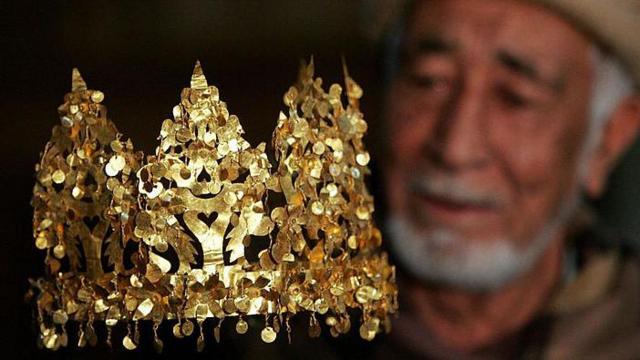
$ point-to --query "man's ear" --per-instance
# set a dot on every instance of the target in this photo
(619, 134)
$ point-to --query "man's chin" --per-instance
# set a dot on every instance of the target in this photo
(444, 257)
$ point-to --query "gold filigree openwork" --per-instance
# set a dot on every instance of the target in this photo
(205, 228)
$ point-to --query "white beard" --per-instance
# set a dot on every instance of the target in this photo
(442, 256)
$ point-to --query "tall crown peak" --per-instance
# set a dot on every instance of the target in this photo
(354, 91)
(198, 81)
(77, 82)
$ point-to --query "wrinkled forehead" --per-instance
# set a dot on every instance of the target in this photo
(483, 29)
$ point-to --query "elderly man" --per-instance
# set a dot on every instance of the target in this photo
(502, 115)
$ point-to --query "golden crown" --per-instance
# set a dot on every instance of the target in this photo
(206, 228)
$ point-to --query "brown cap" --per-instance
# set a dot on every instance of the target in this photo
(615, 24)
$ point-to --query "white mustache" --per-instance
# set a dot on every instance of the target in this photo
(451, 189)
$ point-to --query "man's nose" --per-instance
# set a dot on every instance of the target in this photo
(460, 140)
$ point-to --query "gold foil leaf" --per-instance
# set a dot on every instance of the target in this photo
(112, 316)
(158, 345)
(97, 96)
(58, 251)
(58, 176)
(365, 294)
(242, 326)
(100, 306)
(216, 332)
(144, 309)
(362, 158)
(60, 317)
(268, 335)
(187, 328)
(163, 264)
(177, 330)
(128, 343)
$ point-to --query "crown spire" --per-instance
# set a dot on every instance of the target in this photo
(198, 81)
(77, 82)
(354, 91)
(216, 171)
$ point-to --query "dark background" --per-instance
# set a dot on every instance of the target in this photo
(141, 54)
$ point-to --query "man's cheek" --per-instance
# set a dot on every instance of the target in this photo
(537, 191)
(396, 189)
(409, 136)
(402, 147)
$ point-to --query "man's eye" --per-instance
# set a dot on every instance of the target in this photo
(512, 98)
(429, 82)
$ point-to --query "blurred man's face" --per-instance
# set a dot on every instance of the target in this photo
(488, 114)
